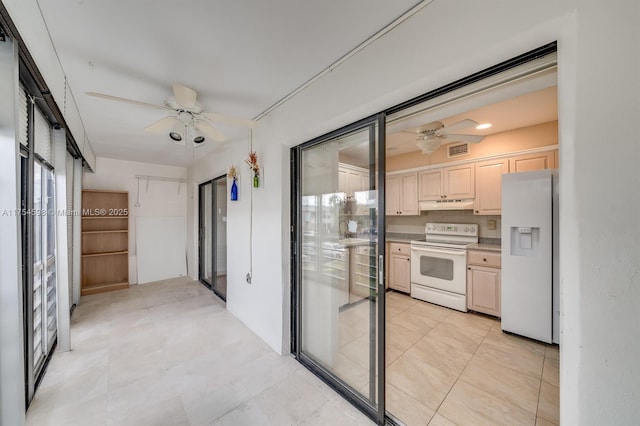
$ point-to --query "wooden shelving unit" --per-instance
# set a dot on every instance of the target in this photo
(105, 241)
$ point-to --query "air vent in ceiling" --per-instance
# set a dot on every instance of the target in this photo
(458, 150)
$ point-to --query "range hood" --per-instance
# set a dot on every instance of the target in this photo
(446, 205)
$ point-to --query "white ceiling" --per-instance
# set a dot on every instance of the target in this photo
(240, 56)
(521, 111)
(515, 112)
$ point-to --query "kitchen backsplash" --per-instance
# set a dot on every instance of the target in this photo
(415, 224)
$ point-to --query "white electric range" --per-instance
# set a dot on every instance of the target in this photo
(439, 264)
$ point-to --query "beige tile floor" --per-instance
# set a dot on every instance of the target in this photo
(168, 353)
(446, 367)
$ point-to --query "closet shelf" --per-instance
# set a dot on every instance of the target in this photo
(105, 241)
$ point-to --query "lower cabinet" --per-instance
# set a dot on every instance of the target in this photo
(400, 267)
(483, 282)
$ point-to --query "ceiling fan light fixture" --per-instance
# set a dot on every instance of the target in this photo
(178, 132)
(427, 146)
(483, 126)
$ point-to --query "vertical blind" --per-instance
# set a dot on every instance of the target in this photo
(42, 136)
(69, 164)
(23, 116)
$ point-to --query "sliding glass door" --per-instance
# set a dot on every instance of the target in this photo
(338, 237)
(213, 235)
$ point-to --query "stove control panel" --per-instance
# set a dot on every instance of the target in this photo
(470, 229)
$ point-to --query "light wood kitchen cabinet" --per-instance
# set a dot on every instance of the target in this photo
(352, 179)
(530, 162)
(488, 200)
(483, 282)
(454, 183)
(430, 185)
(402, 194)
(400, 267)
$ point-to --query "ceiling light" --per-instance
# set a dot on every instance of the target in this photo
(198, 139)
(483, 126)
(177, 133)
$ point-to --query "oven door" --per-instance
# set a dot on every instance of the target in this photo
(439, 268)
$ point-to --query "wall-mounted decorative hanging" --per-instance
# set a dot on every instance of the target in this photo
(252, 161)
(232, 174)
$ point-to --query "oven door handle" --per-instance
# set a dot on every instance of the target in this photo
(439, 250)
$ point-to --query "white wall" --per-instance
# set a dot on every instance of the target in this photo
(12, 388)
(600, 201)
(598, 101)
(160, 199)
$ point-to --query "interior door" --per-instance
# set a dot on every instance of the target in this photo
(338, 263)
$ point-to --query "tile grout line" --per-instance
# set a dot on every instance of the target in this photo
(462, 372)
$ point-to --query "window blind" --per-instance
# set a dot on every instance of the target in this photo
(23, 117)
(42, 136)
(69, 164)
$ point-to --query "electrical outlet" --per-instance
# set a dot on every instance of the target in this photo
(249, 277)
(491, 224)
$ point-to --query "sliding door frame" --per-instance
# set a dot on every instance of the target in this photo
(214, 234)
(201, 231)
(377, 129)
(296, 209)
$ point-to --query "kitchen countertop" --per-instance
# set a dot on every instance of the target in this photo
(351, 242)
(485, 247)
(398, 240)
(396, 237)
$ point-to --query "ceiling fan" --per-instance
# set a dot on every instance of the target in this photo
(432, 135)
(186, 115)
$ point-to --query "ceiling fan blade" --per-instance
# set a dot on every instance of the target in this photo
(234, 121)
(184, 95)
(210, 131)
(164, 125)
(462, 124)
(464, 138)
(129, 101)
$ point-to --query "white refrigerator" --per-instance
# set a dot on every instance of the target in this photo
(530, 279)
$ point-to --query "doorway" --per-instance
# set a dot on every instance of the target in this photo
(338, 234)
(435, 363)
(213, 235)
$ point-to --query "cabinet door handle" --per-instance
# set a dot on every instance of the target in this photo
(484, 259)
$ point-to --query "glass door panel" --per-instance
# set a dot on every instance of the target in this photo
(338, 317)
(220, 231)
(213, 235)
(206, 234)
(38, 270)
(51, 309)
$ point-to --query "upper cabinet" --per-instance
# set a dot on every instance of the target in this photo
(488, 199)
(402, 194)
(455, 182)
(529, 162)
(478, 180)
(352, 179)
